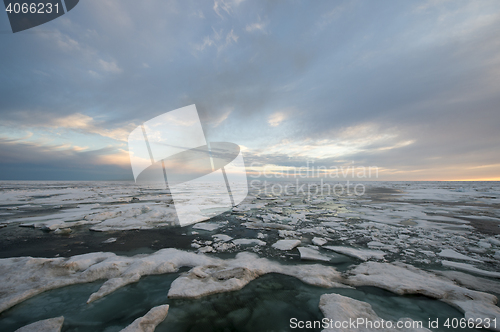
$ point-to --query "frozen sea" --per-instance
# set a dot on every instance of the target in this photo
(102, 254)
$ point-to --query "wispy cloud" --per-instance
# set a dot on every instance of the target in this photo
(207, 42)
(110, 66)
(76, 122)
(217, 40)
(276, 119)
(226, 6)
(257, 26)
(222, 117)
(231, 38)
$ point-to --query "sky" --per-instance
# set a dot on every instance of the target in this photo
(409, 87)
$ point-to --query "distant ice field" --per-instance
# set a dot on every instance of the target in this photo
(442, 234)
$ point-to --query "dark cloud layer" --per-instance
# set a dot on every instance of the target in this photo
(21, 161)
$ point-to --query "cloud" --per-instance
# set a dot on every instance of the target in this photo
(216, 40)
(207, 42)
(276, 119)
(23, 160)
(231, 37)
(226, 6)
(410, 90)
(76, 122)
(360, 139)
(223, 117)
(256, 26)
(331, 15)
(110, 66)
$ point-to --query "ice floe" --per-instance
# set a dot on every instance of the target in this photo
(362, 254)
(470, 281)
(406, 279)
(248, 242)
(470, 268)
(234, 274)
(450, 253)
(64, 231)
(338, 308)
(133, 216)
(319, 241)
(110, 240)
(221, 237)
(312, 254)
(286, 244)
(25, 277)
(46, 325)
(270, 226)
(149, 321)
(207, 226)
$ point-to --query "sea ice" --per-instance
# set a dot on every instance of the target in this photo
(223, 246)
(470, 268)
(312, 254)
(450, 253)
(484, 244)
(133, 216)
(234, 274)
(207, 226)
(494, 241)
(417, 227)
(288, 234)
(286, 244)
(18, 284)
(206, 249)
(247, 242)
(149, 321)
(406, 279)
(68, 218)
(470, 281)
(362, 254)
(266, 225)
(338, 308)
(380, 245)
(221, 237)
(25, 277)
(319, 241)
(63, 231)
(46, 325)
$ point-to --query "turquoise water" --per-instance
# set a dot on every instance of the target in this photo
(266, 304)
